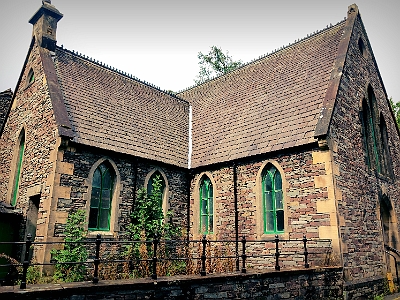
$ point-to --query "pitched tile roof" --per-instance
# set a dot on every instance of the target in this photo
(5, 104)
(112, 111)
(270, 104)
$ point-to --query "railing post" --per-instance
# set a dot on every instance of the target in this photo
(306, 264)
(156, 240)
(25, 265)
(203, 256)
(244, 254)
(97, 259)
(277, 267)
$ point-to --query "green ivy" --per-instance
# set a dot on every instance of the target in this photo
(147, 218)
(147, 221)
(73, 250)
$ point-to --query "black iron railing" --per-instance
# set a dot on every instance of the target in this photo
(262, 252)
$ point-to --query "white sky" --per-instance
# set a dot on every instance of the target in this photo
(158, 40)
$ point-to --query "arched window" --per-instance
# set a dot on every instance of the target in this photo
(371, 133)
(206, 206)
(18, 168)
(371, 148)
(101, 197)
(272, 200)
(30, 77)
(386, 161)
(156, 181)
(375, 136)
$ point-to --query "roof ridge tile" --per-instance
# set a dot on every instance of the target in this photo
(266, 55)
(120, 72)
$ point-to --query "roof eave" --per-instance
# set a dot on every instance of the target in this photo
(60, 112)
(328, 105)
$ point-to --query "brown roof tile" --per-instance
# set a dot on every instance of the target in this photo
(267, 105)
(112, 111)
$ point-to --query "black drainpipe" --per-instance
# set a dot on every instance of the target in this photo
(235, 196)
(135, 175)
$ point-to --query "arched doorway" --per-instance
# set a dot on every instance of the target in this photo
(389, 229)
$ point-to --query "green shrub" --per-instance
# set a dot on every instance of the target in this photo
(73, 250)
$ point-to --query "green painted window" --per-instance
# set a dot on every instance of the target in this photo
(386, 161)
(101, 198)
(373, 136)
(272, 201)
(206, 206)
(157, 178)
(31, 77)
(18, 169)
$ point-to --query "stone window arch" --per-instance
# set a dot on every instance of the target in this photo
(375, 134)
(209, 209)
(30, 78)
(271, 189)
(103, 197)
(16, 169)
(272, 194)
(386, 159)
(157, 173)
(206, 203)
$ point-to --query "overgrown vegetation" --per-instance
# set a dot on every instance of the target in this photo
(73, 251)
(148, 222)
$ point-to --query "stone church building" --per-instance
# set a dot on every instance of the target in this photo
(299, 142)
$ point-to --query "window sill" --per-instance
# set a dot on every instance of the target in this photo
(271, 236)
(104, 234)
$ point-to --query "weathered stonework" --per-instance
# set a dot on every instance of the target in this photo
(359, 188)
(31, 112)
(309, 201)
(74, 181)
(301, 284)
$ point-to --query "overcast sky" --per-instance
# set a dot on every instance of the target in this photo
(158, 40)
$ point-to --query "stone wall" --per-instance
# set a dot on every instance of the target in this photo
(359, 186)
(301, 284)
(307, 187)
(74, 179)
(32, 112)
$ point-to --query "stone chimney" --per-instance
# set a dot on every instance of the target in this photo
(44, 23)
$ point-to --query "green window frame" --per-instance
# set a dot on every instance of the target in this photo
(373, 135)
(101, 198)
(156, 176)
(273, 202)
(18, 169)
(206, 206)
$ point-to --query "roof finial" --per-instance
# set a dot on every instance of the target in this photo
(47, 1)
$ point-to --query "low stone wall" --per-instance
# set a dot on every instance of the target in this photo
(364, 288)
(295, 284)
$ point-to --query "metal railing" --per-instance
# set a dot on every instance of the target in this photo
(249, 249)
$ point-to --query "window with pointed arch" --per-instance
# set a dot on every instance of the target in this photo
(386, 161)
(101, 197)
(18, 168)
(157, 181)
(273, 210)
(375, 135)
(206, 206)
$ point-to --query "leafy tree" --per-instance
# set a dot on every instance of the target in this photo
(215, 63)
(73, 250)
(396, 110)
